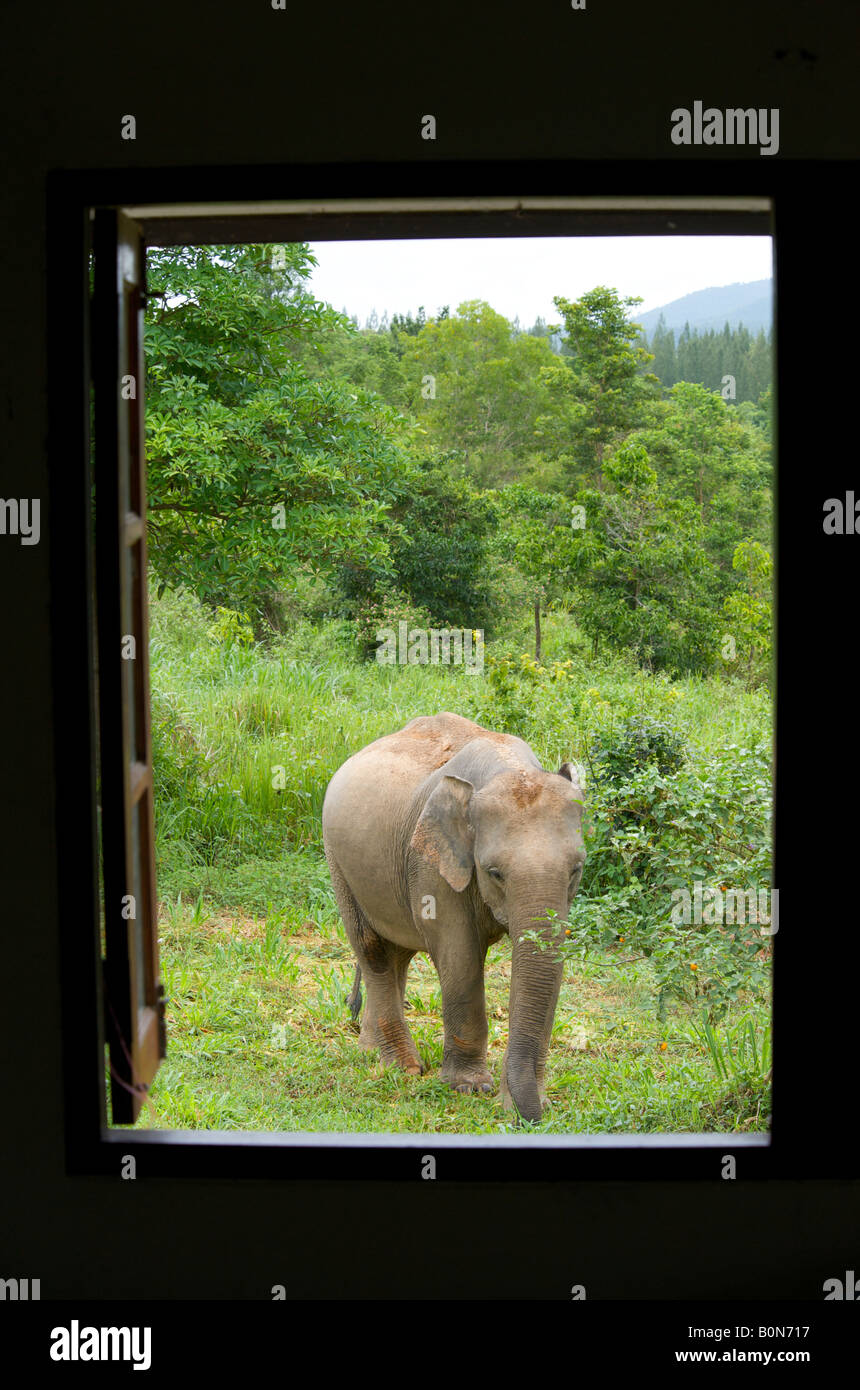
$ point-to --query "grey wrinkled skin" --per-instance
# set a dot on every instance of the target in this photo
(441, 838)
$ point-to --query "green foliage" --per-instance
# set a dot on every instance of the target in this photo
(210, 819)
(653, 834)
(486, 390)
(706, 453)
(291, 453)
(231, 627)
(749, 613)
(740, 1055)
(365, 358)
(621, 751)
(384, 611)
(598, 389)
(710, 356)
(521, 687)
(254, 465)
(535, 543)
(438, 556)
(641, 569)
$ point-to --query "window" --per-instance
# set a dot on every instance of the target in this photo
(133, 1002)
(125, 1008)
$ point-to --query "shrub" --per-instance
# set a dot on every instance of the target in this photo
(386, 609)
(231, 628)
(620, 752)
(654, 833)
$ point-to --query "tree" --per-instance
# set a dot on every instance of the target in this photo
(663, 349)
(405, 326)
(749, 613)
(758, 415)
(535, 537)
(477, 389)
(438, 552)
(365, 358)
(539, 328)
(703, 451)
(598, 389)
(760, 357)
(255, 466)
(642, 569)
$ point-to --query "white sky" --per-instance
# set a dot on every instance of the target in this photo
(520, 275)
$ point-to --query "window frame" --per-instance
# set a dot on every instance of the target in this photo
(131, 982)
(237, 205)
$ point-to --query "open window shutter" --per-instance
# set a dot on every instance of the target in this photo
(133, 994)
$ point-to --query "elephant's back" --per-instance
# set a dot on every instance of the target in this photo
(384, 776)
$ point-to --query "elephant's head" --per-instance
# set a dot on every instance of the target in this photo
(520, 833)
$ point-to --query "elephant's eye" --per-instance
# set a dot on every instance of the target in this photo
(497, 875)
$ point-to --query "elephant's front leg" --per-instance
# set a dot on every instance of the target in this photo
(461, 973)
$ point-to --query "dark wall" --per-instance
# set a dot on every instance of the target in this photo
(242, 84)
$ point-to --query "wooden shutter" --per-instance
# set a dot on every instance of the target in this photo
(133, 994)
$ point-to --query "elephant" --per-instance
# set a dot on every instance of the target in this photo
(441, 838)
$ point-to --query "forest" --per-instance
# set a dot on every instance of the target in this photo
(599, 508)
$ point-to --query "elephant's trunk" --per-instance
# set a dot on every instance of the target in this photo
(536, 974)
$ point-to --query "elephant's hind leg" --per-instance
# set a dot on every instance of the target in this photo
(383, 967)
(384, 1024)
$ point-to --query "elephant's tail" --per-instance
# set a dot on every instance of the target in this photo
(354, 999)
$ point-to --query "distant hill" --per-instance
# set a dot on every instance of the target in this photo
(748, 303)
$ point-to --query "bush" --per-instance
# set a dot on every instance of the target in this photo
(653, 834)
(231, 628)
(620, 752)
(523, 690)
(386, 609)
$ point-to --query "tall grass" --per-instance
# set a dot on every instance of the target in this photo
(247, 739)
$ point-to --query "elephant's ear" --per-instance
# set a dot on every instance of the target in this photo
(443, 835)
(569, 771)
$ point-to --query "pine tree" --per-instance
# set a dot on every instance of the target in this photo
(603, 395)
(663, 348)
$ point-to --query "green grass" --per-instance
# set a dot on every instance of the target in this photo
(256, 965)
(261, 1038)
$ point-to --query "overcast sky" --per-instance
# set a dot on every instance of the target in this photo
(520, 275)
